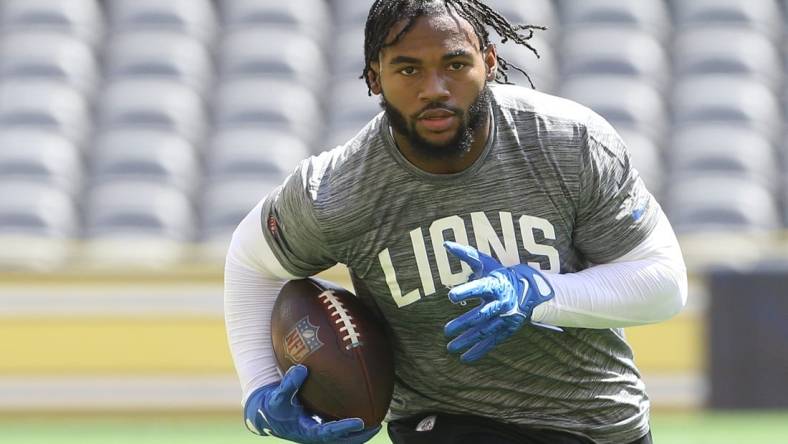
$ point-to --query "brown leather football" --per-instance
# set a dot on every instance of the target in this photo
(349, 357)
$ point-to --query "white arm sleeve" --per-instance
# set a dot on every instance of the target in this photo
(646, 285)
(252, 280)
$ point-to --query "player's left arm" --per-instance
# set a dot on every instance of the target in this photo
(640, 277)
(646, 285)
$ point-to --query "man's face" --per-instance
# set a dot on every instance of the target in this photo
(434, 84)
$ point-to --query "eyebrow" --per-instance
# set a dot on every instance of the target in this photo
(456, 53)
(412, 60)
(404, 59)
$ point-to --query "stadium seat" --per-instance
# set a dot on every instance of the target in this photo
(725, 150)
(264, 103)
(308, 17)
(145, 155)
(614, 50)
(195, 18)
(351, 13)
(785, 79)
(36, 209)
(45, 106)
(253, 153)
(646, 157)
(49, 56)
(351, 106)
(625, 102)
(650, 16)
(251, 163)
(762, 15)
(37, 226)
(153, 104)
(81, 19)
(707, 203)
(727, 100)
(130, 209)
(273, 53)
(543, 70)
(784, 201)
(40, 157)
(226, 203)
(137, 225)
(338, 135)
(159, 54)
(782, 147)
(727, 50)
(532, 12)
(348, 52)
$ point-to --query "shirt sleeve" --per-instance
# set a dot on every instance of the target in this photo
(615, 211)
(290, 224)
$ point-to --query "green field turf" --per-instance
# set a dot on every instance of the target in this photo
(668, 428)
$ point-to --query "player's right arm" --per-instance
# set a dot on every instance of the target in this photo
(254, 274)
(252, 280)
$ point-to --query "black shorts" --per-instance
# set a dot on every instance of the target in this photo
(457, 429)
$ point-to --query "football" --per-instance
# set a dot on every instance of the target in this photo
(348, 354)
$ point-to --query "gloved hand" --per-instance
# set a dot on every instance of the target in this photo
(509, 296)
(275, 410)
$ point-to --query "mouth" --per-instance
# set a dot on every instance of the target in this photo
(437, 120)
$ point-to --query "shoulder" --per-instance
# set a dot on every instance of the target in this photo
(561, 116)
(518, 99)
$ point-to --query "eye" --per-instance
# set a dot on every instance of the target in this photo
(456, 66)
(408, 71)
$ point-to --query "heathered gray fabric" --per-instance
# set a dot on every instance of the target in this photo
(555, 175)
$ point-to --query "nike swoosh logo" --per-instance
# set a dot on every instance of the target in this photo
(266, 431)
(525, 291)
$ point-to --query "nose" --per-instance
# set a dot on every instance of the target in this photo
(434, 88)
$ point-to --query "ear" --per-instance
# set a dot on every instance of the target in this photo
(491, 61)
(373, 76)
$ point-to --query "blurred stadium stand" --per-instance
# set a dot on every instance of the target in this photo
(96, 92)
(137, 133)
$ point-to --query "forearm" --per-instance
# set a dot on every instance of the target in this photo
(647, 285)
(252, 280)
(249, 299)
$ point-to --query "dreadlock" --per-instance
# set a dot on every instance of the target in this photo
(385, 13)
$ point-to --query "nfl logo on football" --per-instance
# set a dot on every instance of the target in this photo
(302, 340)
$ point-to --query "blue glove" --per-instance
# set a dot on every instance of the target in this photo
(275, 410)
(509, 296)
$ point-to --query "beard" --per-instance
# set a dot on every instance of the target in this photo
(460, 144)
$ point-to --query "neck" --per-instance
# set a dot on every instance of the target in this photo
(446, 166)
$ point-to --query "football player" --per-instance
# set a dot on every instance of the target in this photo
(502, 234)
